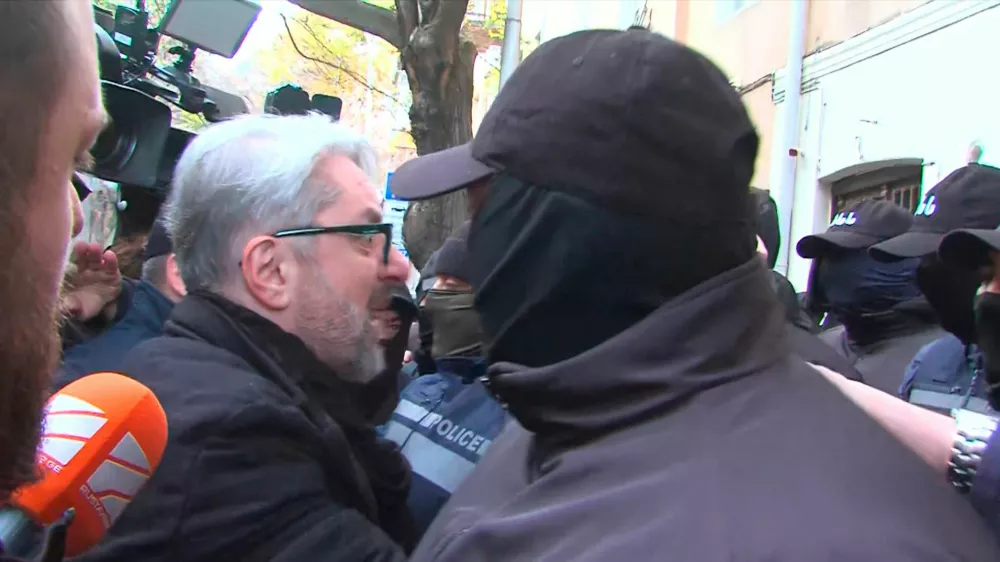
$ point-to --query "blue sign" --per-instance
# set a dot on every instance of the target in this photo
(389, 195)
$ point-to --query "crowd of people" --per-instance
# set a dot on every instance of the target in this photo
(601, 364)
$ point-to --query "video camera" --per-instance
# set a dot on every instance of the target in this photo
(139, 148)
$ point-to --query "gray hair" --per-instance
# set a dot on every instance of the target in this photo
(154, 272)
(248, 176)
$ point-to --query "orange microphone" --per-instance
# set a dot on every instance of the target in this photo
(103, 437)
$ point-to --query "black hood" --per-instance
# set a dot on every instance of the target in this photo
(767, 224)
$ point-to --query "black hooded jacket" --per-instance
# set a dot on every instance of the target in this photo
(881, 339)
(897, 336)
(697, 435)
(658, 416)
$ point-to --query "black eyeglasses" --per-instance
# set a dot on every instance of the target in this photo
(361, 230)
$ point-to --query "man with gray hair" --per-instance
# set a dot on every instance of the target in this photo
(279, 239)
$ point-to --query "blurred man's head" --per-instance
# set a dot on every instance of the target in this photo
(159, 264)
(631, 188)
(50, 115)
(969, 197)
(279, 214)
(846, 281)
(450, 305)
(976, 252)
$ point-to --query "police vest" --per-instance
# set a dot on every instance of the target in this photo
(959, 387)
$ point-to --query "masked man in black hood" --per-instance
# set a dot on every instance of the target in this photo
(801, 330)
(883, 319)
(633, 336)
(945, 374)
(963, 446)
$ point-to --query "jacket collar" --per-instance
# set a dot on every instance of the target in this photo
(729, 327)
(274, 353)
(870, 331)
(468, 368)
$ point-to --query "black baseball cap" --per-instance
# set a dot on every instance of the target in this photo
(437, 173)
(969, 248)
(865, 224)
(630, 119)
(969, 197)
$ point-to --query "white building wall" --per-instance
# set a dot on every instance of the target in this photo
(923, 85)
(548, 19)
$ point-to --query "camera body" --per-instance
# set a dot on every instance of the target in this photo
(139, 148)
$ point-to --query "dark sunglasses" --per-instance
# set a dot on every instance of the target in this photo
(369, 230)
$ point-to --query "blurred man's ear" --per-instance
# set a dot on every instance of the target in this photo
(761, 248)
(174, 281)
(993, 285)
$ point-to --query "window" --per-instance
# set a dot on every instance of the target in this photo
(727, 9)
(895, 180)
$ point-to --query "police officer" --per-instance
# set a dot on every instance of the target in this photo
(946, 374)
(882, 318)
(446, 420)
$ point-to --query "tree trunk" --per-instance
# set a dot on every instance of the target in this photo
(440, 118)
(439, 65)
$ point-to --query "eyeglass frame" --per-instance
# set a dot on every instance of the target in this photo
(384, 228)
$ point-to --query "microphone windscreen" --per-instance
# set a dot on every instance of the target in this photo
(104, 435)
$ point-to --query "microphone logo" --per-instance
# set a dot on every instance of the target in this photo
(70, 423)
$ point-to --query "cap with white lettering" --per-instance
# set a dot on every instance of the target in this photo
(969, 197)
(866, 223)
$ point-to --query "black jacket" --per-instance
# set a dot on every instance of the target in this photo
(884, 347)
(696, 435)
(801, 332)
(263, 462)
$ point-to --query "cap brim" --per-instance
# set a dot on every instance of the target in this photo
(969, 248)
(913, 244)
(437, 174)
(817, 245)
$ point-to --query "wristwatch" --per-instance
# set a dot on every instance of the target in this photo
(973, 432)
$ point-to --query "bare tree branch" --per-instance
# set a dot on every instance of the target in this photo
(360, 15)
(449, 17)
(355, 76)
(408, 15)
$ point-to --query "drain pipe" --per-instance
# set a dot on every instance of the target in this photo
(788, 139)
(510, 52)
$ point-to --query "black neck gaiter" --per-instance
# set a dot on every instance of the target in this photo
(456, 324)
(951, 292)
(987, 313)
(556, 275)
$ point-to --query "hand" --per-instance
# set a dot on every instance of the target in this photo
(92, 288)
(407, 356)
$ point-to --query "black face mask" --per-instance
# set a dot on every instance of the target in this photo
(456, 323)
(988, 338)
(951, 293)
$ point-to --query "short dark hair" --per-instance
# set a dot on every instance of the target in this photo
(34, 56)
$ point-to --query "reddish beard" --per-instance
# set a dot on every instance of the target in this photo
(29, 352)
